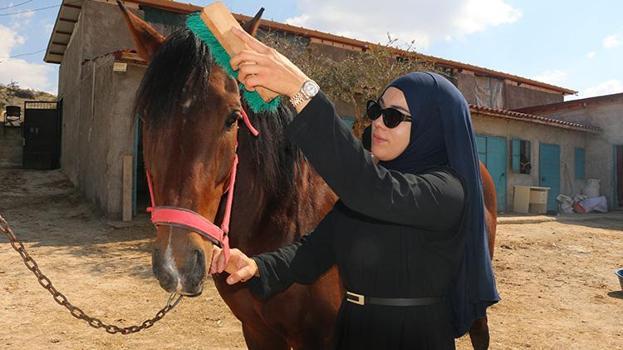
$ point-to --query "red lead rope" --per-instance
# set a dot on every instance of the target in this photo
(188, 219)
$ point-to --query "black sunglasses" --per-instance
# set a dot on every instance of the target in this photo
(391, 116)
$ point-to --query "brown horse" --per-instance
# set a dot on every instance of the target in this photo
(191, 109)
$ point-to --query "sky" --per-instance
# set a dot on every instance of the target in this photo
(573, 44)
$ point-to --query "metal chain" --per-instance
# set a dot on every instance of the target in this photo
(62, 300)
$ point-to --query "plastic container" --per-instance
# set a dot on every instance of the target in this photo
(620, 275)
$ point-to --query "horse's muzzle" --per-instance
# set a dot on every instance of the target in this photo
(186, 280)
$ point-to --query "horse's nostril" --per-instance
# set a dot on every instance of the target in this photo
(167, 281)
(155, 261)
(166, 278)
(196, 269)
(199, 260)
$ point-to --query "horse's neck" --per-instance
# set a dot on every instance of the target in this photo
(263, 221)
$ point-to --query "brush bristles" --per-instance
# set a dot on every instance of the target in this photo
(222, 58)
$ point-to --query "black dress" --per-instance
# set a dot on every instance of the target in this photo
(391, 234)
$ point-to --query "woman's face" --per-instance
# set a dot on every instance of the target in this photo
(387, 143)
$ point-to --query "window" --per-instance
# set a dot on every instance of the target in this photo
(580, 160)
(520, 156)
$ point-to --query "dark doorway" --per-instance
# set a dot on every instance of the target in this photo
(42, 135)
(141, 190)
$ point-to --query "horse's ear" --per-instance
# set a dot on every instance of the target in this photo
(251, 25)
(146, 38)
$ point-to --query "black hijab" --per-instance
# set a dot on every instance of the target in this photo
(442, 135)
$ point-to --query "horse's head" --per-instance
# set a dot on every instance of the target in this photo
(190, 110)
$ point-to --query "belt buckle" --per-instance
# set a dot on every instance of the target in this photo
(355, 298)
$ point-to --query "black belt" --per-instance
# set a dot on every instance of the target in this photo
(365, 300)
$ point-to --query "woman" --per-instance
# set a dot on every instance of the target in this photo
(407, 234)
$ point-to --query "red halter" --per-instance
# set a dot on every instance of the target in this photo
(188, 219)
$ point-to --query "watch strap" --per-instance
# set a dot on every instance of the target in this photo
(301, 96)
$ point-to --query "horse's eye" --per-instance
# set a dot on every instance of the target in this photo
(232, 119)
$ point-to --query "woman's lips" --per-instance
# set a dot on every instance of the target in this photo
(378, 139)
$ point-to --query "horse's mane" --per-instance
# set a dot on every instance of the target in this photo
(277, 160)
(177, 82)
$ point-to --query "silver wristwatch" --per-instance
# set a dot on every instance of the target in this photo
(308, 90)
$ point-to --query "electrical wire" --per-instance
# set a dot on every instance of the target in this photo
(24, 54)
(24, 11)
(12, 6)
(39, 8)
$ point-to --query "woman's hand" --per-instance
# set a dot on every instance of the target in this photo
(240, 267)
(260, 65)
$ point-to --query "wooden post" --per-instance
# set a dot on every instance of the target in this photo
(127, 188)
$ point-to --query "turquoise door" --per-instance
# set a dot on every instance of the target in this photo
(549, 169)
(492, 151)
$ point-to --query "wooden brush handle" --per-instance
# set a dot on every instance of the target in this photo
(220, 22)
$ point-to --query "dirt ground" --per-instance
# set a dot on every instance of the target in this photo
(556, 280)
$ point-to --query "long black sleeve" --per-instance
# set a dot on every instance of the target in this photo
(302, 261)
(432, 200)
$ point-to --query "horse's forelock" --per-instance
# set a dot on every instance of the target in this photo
(176, 79)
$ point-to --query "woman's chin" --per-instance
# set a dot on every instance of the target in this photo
(379, 157)
(382, 156)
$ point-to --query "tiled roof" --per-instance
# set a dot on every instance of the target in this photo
(573, 104)
(531, 118)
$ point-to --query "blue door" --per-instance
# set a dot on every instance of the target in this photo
(481, 146)
(549, 168)
(492, 151)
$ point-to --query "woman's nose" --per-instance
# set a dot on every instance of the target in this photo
(378, 122)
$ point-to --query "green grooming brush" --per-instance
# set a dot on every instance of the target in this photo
(213, 26)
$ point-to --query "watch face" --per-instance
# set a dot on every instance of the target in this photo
(310, 88)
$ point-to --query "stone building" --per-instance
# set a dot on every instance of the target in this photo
(604, 151)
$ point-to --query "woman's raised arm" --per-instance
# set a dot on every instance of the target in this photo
(432, 200)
